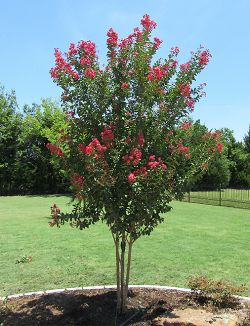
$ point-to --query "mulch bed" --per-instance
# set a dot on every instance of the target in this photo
(93, 308)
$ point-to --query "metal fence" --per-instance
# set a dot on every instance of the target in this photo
(239, 198)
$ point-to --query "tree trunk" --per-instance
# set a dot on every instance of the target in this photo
(123, 249)
(122, 271)
(125, 295)
(118, 285)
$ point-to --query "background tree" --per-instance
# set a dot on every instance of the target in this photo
(26, 167)
(128, 148)
(239, 161)
(216, 174)
(10, 128)
(36, 171)
(247, 141)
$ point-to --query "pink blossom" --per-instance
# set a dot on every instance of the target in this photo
(55, 150)
(131, 178)
(112, 37)
(72, 49)
(185, 125)
(124, 42)
(219, 147)
(134, 156)
(204, 57)
(175, 50)
(182, 149)
(107, 135)
(156, 73)
(89, 72)
(157, 43)
(153, 164)
(190, 102)
(85, 61)
(185, 89)
(88, 47)
(124, 85)
(185, 66)
(138, 33)
(148, 24)
(94, 148)
(62, 66)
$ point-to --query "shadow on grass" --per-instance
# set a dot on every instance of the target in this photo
(64, 309)
(48, 195)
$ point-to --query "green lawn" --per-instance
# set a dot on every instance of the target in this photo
(195, 239)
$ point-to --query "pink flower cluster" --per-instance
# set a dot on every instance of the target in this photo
(156, 73)
(62, 65)
(175, 50)
(143, 171)
(72, 50)
(55, 150)
(204, 57)
(107, 136)
(219, 147)
(179, 148)
(85, 61)
(134, 157)
(185, 125)
(190, 102)
(153, 163)
(138, 33)
(94, 148)
(185, 66)
(89, 72)
(89, 48)
(185, 89)
(124, 85)
(147, 23)
(182, 149)
(126, 41)
(212, 134)
(112, 37)
(157, 43)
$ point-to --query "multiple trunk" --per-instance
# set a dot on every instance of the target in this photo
(122, 269)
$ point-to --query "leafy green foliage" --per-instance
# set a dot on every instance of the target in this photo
(37, 172)
(10, 128)
(25, 164)
(247, 141)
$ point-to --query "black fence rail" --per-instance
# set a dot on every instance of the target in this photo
(239, 198)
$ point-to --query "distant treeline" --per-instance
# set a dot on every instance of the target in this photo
(26, 166)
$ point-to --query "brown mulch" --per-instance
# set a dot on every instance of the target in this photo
(92, 308)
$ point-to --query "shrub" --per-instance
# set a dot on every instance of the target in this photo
(219, 293)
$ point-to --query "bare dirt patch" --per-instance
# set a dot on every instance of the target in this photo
(98, 308)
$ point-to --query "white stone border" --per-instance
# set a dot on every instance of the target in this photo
(102, 287)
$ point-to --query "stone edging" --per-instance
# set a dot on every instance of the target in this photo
(102, 287)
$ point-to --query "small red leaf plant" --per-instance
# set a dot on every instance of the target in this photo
(129, 146)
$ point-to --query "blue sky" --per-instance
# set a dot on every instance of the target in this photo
(30, 30)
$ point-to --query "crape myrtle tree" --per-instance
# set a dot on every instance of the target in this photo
(128, 148)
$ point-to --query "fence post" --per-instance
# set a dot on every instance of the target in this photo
(189, 197)
(220, 197)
